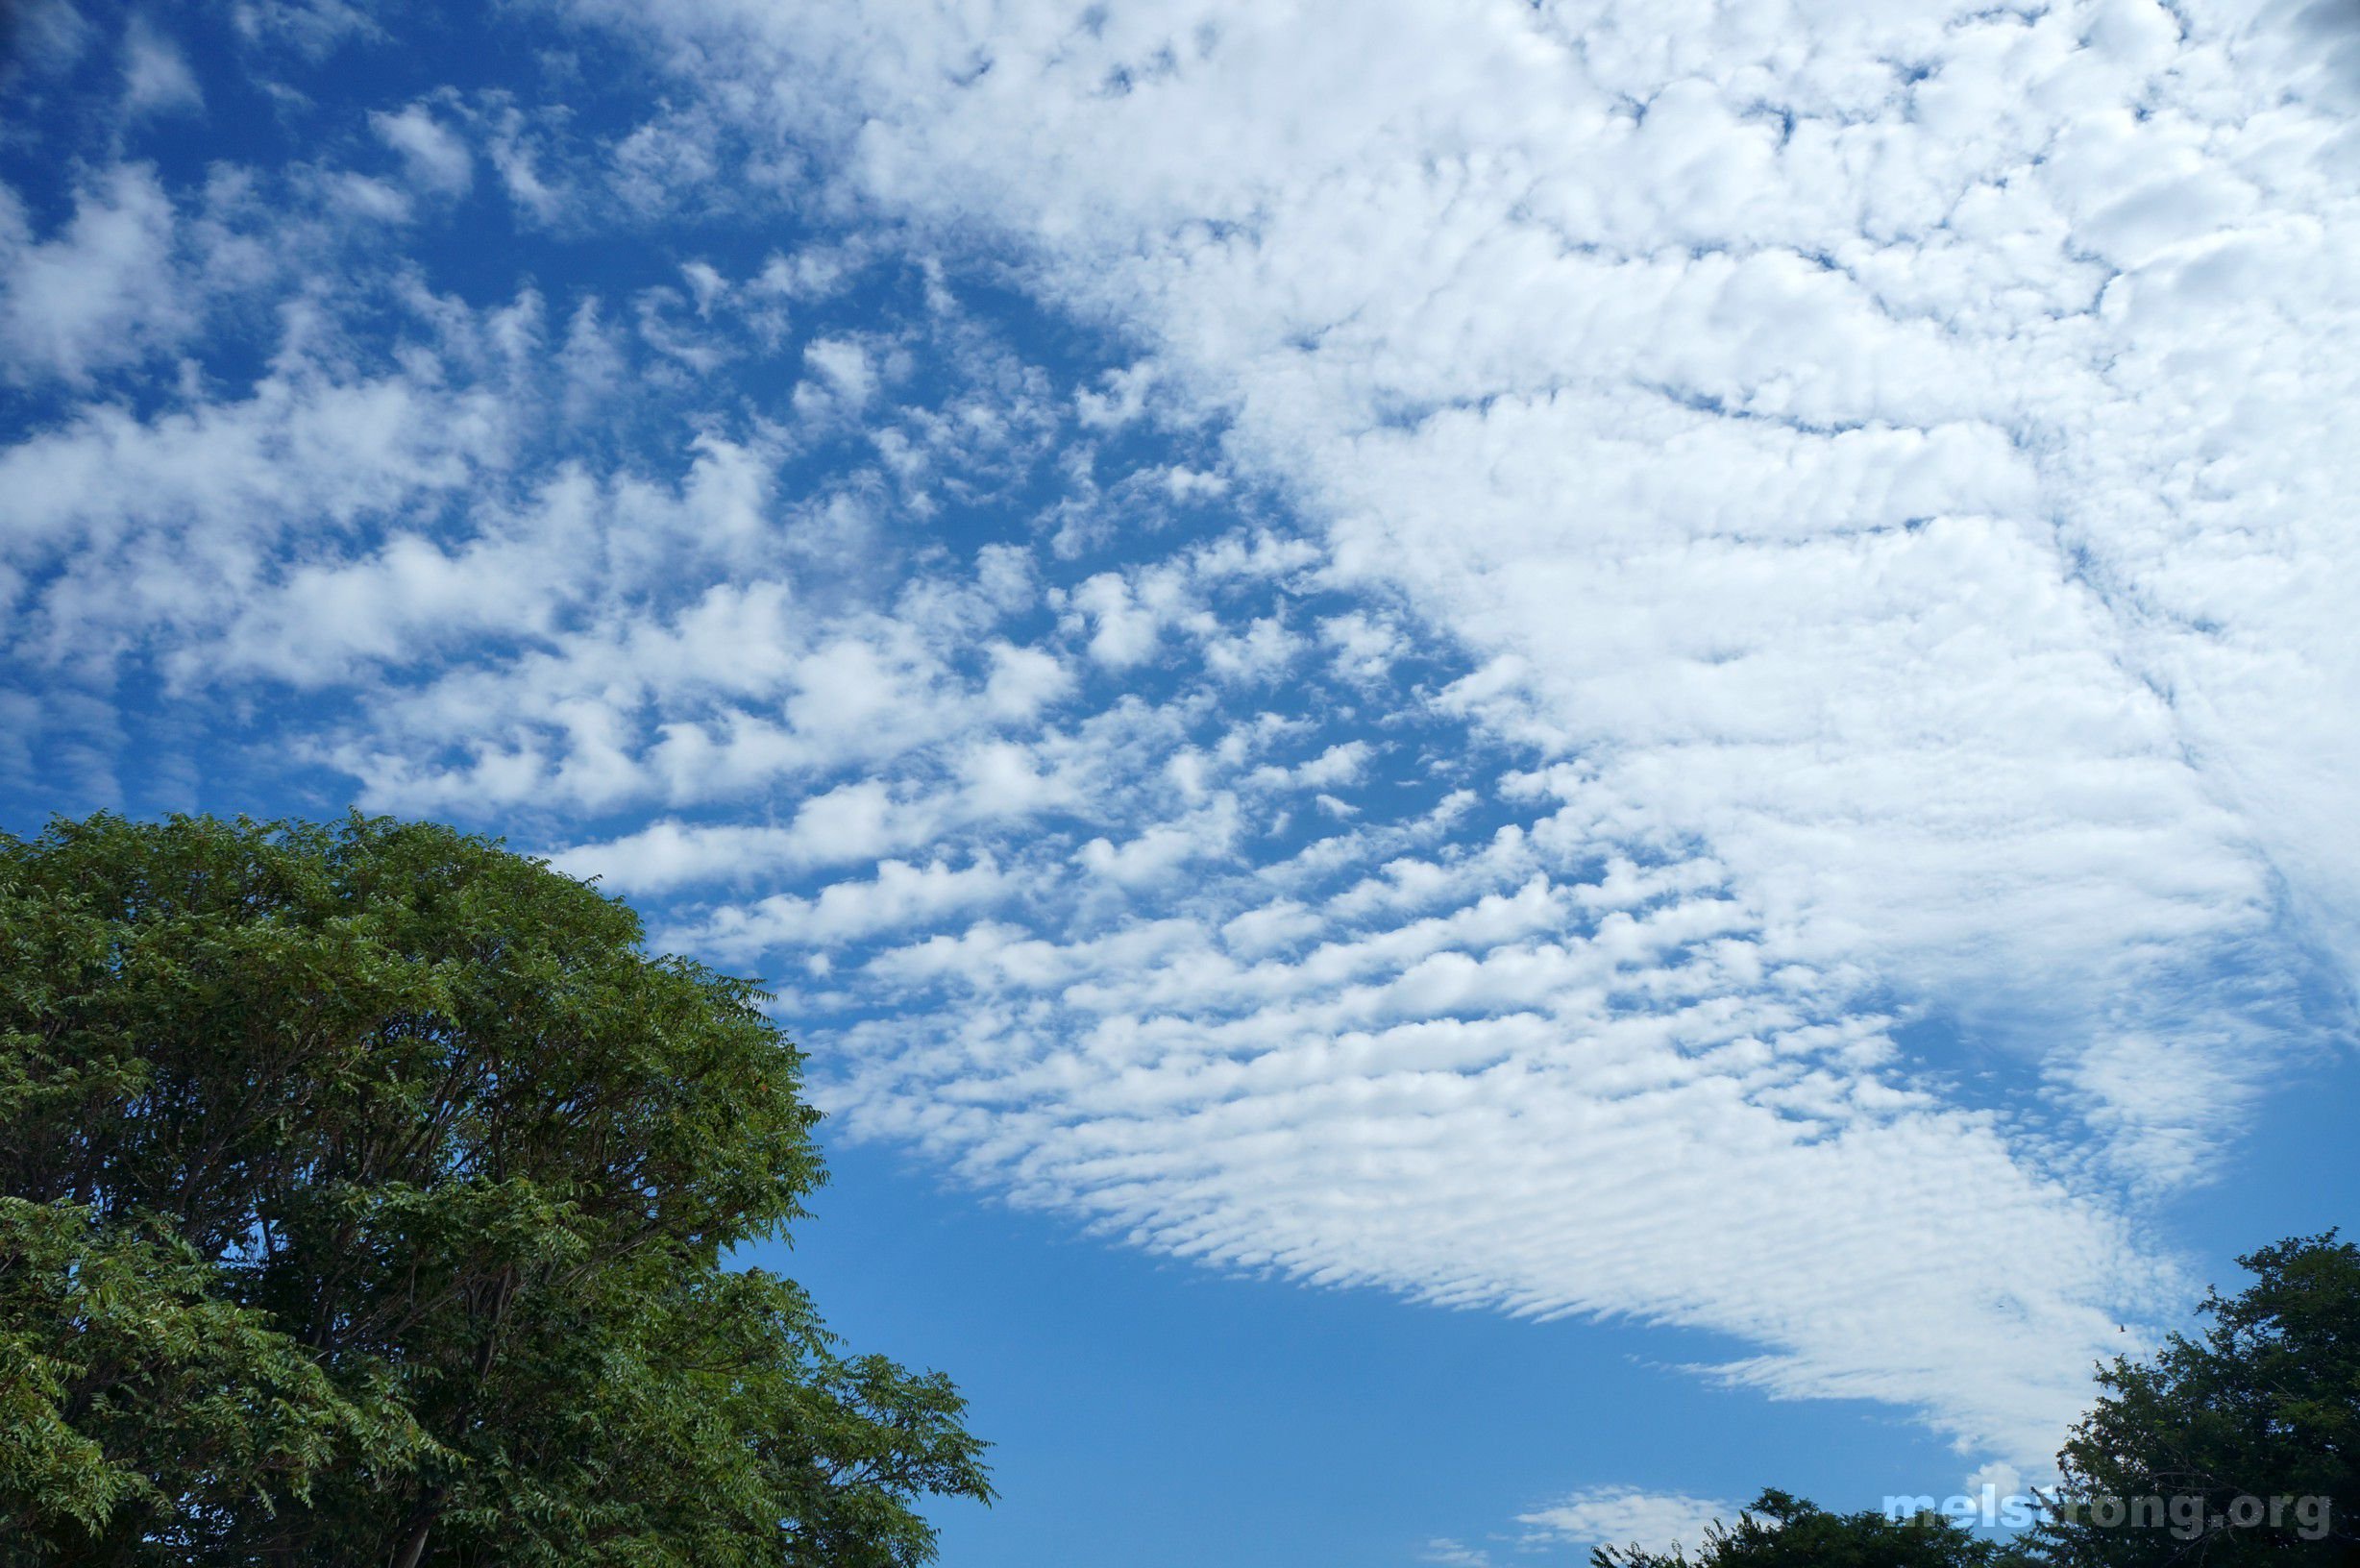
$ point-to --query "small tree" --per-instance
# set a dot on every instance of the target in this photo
(1781, 1530)
(2249, 1436)
(367, 1195)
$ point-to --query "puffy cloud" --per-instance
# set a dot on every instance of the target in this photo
(848, 824)
(900, 894)
(1159, 853)
(437, 161)
(155, 79)
(1123, 631)
(845, 368)
(102, 292)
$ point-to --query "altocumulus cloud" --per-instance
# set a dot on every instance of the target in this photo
(1604, 562)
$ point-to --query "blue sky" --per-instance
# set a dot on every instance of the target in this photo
(1513, 765)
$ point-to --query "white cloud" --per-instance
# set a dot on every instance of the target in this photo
(1122, 631)
(1627, 1516)
(707, 283)
(1278, 923)
(1259, 653)
(436, 159)
(1123, 400)
(1159, 853)
(155, 79)
(1344, 763)
(311, 27)
(50, 35)
(898, 895)
(1365, 647)
(370, 200)
(845, 368)
(667, 162)
(513, 147)
(1024, 680)
(848, 824)
(169, 523)
(101, 293)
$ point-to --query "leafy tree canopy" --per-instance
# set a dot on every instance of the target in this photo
(367, 1194)
(2264, 1405)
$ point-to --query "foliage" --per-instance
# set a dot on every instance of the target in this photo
(2265, 1404)
(369, 1195)
(119, 1344)
(1784, 1531)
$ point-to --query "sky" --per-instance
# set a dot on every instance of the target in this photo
(1514, 765)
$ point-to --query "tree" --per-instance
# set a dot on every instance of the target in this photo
(368, 1194)
(1781, 1530)
(2249, 1436)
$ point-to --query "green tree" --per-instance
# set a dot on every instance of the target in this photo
(2248, 1436)
(1781, 1530)
(367, 1194)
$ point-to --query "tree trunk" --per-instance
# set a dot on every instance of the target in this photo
(412, 1550)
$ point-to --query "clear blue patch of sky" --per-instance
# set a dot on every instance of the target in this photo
(1152, 1413)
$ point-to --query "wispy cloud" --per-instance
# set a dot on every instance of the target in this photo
(155, 79)
(1627, 1516)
